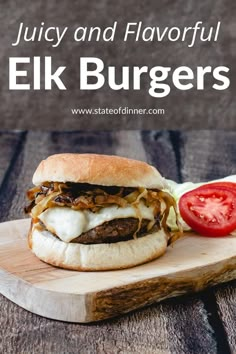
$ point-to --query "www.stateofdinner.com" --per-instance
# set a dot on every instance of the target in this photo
(117, 111)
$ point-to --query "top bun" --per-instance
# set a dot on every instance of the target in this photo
(98, 169)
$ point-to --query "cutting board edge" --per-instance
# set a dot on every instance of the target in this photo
(42, 301)
(157, 289)
(105, 304)
(94, 306)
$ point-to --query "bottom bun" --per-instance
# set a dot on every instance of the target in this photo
(94, 257)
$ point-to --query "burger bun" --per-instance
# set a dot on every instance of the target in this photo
(94, 257)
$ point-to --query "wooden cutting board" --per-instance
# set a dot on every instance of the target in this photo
(190, 264)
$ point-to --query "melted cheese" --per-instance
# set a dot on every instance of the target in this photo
(68, 224)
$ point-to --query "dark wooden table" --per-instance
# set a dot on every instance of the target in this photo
(197, 323)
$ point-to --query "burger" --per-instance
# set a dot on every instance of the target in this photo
(97, 212)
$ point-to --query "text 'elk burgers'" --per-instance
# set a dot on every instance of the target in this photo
(97, 212)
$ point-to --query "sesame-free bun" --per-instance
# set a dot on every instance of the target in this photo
(105, 170)
(94, 257)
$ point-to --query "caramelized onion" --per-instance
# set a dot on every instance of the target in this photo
(85, 196)
(32, 192)
(43, 204)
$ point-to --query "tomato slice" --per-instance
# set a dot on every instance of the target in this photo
(231, 185)
(209, 210)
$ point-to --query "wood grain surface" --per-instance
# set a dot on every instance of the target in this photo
(202, 323)
(191, 264)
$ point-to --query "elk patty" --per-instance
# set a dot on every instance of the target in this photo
(112, 231)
